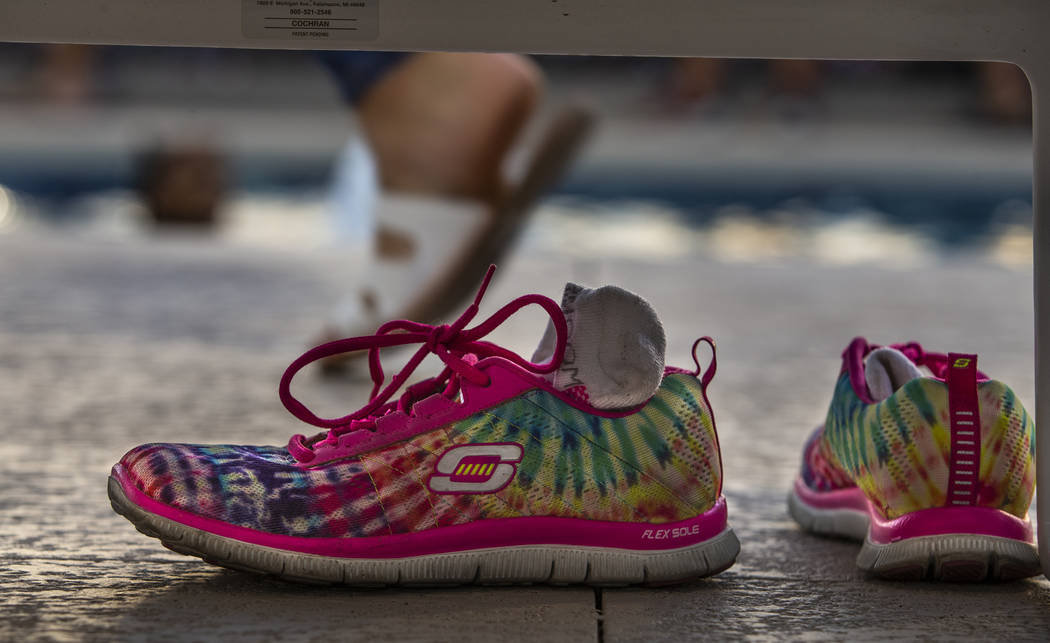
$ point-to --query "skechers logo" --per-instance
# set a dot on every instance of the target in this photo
(666, 534)
(476, 468)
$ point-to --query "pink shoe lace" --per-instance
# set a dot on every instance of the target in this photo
(460, 348)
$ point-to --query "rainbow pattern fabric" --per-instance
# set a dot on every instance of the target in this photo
(897, 451)
(658, 464)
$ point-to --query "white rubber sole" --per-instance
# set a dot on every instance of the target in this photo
(947, 557)
(551, 564)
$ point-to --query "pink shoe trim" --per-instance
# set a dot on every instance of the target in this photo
(984, 521)
(937, 521)
(849, 498)
(965, 421)
(482, 534)
(507, 380)
(705, 378)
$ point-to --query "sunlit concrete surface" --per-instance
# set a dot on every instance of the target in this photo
(108, 343)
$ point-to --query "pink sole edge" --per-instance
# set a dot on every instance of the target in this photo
(937, 521)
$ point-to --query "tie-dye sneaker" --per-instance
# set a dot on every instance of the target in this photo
(934, 473)
(598, 465)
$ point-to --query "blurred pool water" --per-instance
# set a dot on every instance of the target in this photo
(833, 227)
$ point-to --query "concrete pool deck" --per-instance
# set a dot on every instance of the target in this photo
(106, 345)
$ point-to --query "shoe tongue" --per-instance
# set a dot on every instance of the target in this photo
(615, 347)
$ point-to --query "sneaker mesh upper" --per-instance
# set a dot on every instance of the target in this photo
(659, 464)
(897, 450)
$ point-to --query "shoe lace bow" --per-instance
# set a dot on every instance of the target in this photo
(459, 347)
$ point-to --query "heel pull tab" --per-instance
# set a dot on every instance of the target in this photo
(965, 416)
(705, 375)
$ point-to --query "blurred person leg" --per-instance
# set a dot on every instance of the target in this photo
(794, 88)
(795, 77)
(442, 125)
(65, 73)
(694, 81)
